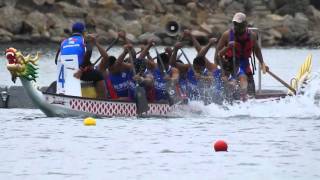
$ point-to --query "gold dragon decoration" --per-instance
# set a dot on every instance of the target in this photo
(20, 65)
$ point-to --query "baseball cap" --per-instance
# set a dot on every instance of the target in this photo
(239, 17)
(78, 27)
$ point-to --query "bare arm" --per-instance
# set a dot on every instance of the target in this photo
(173, 57)
(103, 64)
(57, 55)
(122, 35)
(204, 51)
(257, 49)
(195, 43)
(120, 59)
(221, 44)
(150, 63)
(175, 74)
(88, 53)
(145, 50)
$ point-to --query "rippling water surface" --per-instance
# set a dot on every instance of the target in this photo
(267, 139)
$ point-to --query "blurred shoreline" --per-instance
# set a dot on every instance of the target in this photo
(282, 23)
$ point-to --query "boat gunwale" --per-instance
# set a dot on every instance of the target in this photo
(97, 99)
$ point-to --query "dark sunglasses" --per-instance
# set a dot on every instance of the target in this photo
(243, 24)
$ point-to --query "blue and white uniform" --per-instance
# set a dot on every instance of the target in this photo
(160, 84)
(188, 85)
(74, 45)
(120, 83)
(216, 74)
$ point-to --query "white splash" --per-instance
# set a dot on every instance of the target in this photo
(300, 106)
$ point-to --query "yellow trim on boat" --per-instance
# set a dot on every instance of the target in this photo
(302, 75)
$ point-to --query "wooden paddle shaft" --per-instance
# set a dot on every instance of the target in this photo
(282, 81)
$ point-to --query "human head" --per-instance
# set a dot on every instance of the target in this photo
(199, 64)
(78, 27)
(165, 59)
(168, 50)
(239, 23)
(111, 61)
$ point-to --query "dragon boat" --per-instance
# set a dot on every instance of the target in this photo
(59, 105)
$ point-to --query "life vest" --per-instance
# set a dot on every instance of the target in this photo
(243, 49)
(74, 45)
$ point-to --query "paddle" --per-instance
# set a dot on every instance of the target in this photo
(170, 86)
(140, 93)
(108, 48)
(234, 60)
(282, 81)
(185, 56)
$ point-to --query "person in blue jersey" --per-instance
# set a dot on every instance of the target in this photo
(77, 45)
(141, 63)
(202, 75)
(119, 73)
(162, 76)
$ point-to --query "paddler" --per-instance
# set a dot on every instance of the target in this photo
(234, 50)
(162, 76)
(205, 72)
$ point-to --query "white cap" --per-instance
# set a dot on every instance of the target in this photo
(239, 17)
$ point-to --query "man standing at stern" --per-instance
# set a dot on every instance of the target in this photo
(233, 52)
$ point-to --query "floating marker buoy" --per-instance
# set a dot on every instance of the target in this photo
(220, 145)
(89, 121)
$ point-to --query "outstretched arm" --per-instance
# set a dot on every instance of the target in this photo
(122, 55)
(122, 35)
(103, 64)
(204, 50)
(210, 66)
(195, 42)
(258, 53)
(57, 55)
(146, 49)
(175, 74)
(173, 59)
(88, 53)
(220, 48)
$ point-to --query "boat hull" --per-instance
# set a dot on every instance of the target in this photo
(88, 106)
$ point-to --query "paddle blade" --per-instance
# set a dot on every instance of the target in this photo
(141, 100)
(173, 97)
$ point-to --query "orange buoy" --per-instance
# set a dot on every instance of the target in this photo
(220, 145)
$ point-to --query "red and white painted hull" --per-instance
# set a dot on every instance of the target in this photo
(107, 108)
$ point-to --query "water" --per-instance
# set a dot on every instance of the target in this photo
(267, 139)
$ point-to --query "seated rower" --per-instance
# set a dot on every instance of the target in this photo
(119, 73)
(187, 78)
(142, 78)
(206, 72)
(161, 76)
